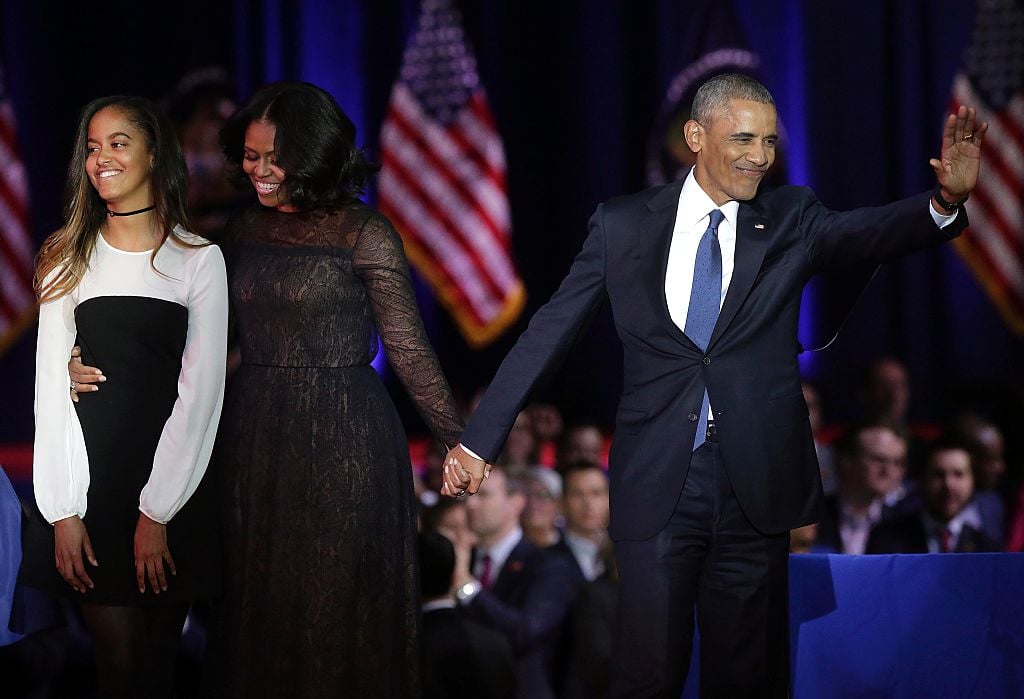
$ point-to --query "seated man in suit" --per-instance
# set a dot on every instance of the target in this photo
(941, 526)
(585, 504)
(872, 463)
(489, 671)
(514, 587)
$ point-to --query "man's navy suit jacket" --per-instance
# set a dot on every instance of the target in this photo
(749, 368)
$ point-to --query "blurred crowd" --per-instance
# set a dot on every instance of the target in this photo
(519, 580)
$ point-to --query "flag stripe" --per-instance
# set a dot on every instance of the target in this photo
(442, 179)
(17, 298)
(429, 204)
(993, 245)
(474, 229)
(455, 152)
(407, 207)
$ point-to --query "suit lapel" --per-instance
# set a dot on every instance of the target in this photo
(753, 232)
(656, 232)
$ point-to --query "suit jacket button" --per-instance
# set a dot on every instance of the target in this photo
(692, 417)
(706, 360)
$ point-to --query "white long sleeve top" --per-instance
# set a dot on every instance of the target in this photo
(193, 277)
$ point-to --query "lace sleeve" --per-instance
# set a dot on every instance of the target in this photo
(379, 260)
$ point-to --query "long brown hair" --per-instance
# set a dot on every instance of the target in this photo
(64, 256)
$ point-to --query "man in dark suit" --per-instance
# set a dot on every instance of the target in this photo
(713, 461)
(585, 505)
(515, 588)
(872, 462)
(945, 523)
(488, 669)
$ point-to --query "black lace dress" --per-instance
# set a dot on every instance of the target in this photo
(314, 462)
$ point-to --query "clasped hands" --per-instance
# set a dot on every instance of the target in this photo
(463, 473)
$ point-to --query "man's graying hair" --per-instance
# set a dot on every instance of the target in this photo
(714, 95)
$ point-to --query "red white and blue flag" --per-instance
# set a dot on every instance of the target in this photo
(17, 300)
(992, 80)
(442, 179)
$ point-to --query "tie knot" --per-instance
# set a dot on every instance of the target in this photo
(716, 217)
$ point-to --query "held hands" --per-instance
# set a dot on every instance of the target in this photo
(150, 554)
(83, 378)
(70, 540)
(957, 170)
(463, 474)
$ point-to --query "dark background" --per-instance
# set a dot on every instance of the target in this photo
(575, 85)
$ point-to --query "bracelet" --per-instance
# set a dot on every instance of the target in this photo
(950, 206)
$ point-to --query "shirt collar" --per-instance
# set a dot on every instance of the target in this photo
(873, 514)
(695, 204)
(500, 552)
(580, 544)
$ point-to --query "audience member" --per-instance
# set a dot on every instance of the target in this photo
(547, 430)
(521, 446)
(825, 452)
(585, 503)
(872, 464)
(542, 514)
(486, 668)
(514, 587)
(988, 463)
(582, 443)
(885, 396)
(941, 526)
(590, 632)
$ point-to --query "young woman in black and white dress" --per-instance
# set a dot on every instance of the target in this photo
(127, 521)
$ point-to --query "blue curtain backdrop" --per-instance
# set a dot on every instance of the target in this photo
(575, 87)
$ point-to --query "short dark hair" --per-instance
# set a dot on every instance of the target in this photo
(437, 563)
(949, 442)
(714, 95)
(315, 144)
(578, 467)
(850, 443)
(431, 516)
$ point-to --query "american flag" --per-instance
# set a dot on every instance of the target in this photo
(993, 81)
(17, 300)
(442, 179)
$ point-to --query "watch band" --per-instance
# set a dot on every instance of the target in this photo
(950, 206)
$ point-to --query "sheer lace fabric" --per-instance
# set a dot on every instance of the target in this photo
(313, 460)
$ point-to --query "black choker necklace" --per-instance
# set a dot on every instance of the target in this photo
(112, 214)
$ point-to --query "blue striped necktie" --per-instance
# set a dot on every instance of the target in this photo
(705, 302)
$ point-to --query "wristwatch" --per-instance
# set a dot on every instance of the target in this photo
(466, 592)
(951, 207)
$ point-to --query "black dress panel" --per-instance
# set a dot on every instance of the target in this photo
(139, 343)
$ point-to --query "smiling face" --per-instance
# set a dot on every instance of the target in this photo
(119, 161)
(259, 162)
(734, 150)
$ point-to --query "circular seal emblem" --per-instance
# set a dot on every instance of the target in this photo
(668, 156)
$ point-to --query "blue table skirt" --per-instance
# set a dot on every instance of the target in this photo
(947, 626)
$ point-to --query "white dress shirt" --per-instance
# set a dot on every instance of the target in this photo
(499, 553)
(587, 554)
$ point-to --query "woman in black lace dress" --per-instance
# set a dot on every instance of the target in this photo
(318, 487)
